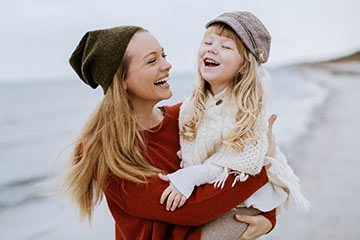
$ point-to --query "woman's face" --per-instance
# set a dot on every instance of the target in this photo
(219, 61)
(148, 72)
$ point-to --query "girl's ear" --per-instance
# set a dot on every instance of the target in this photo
(242, 70)
(124, 85)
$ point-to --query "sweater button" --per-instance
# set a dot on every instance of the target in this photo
(219, 102)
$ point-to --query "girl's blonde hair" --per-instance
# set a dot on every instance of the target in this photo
(246, 90)
(109, 144)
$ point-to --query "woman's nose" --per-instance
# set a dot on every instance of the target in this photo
(166, 66)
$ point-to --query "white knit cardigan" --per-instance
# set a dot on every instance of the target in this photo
(208, 160)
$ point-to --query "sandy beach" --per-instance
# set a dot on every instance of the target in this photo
(326, 159)
(325, 156)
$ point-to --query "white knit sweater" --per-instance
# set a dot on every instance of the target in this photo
(208, 160)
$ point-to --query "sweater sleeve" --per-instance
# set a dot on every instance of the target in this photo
(206, 202)
(186, 179)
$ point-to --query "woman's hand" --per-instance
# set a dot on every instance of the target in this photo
(271, 138)
(258, 226)
(174, 198)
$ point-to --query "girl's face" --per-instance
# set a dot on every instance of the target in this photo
(148, 72)
(219, 61)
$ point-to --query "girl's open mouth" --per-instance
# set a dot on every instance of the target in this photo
(210, 62)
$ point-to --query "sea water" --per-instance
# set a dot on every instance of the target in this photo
(39, 119)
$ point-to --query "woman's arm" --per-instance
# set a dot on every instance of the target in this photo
(205, 204)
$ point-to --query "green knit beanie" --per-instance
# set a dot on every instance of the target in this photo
(99, 54)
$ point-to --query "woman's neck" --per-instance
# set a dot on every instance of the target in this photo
(147, 115)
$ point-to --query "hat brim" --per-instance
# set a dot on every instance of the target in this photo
(237, 28)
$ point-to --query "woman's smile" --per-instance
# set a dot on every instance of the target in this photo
(162, 83)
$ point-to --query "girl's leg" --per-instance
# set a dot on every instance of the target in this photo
(226, 226)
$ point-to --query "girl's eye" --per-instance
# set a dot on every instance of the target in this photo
(207, 43)
(226, 47)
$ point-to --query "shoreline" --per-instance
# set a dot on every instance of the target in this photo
(325, 159)
(318, 116)
(300, 152)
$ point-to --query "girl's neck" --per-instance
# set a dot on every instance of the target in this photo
(217, 89)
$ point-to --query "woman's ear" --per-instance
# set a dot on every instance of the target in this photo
(124, 85)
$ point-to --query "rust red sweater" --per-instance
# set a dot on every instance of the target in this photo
(137, 210)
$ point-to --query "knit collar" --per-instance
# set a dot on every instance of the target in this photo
(217, 99)
(220, 95)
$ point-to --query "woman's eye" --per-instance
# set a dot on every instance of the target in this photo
(152, 60)
(164, 56)
(226, 47)
(207, 43)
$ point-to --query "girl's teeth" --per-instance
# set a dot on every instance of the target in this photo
(211, 62)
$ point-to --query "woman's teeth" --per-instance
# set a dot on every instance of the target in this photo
(162, 82)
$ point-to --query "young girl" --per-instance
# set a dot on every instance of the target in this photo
(223, 124)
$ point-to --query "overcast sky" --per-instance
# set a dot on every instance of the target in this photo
(38, 36)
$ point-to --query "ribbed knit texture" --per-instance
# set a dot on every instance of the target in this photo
(99, 54)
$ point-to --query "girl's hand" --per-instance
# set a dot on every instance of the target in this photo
(258, 226)
(271, 138)
(174, 198)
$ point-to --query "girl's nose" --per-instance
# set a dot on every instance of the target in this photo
(212, 49)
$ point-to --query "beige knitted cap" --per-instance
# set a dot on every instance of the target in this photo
(250, 30)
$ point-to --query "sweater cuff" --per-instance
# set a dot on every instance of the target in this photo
(182, 181)
(271, 216)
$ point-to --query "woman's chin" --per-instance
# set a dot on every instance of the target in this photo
(166, 95)
(169, 96)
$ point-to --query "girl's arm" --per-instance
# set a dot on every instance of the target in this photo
(206, 202)
(186, 179)
(214, 170)
(183, 181)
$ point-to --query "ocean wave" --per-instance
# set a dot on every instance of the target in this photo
(20, 192)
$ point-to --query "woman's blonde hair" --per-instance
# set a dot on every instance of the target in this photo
(109, 144)
(246, 90)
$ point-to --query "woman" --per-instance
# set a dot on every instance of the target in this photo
(127, 141)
